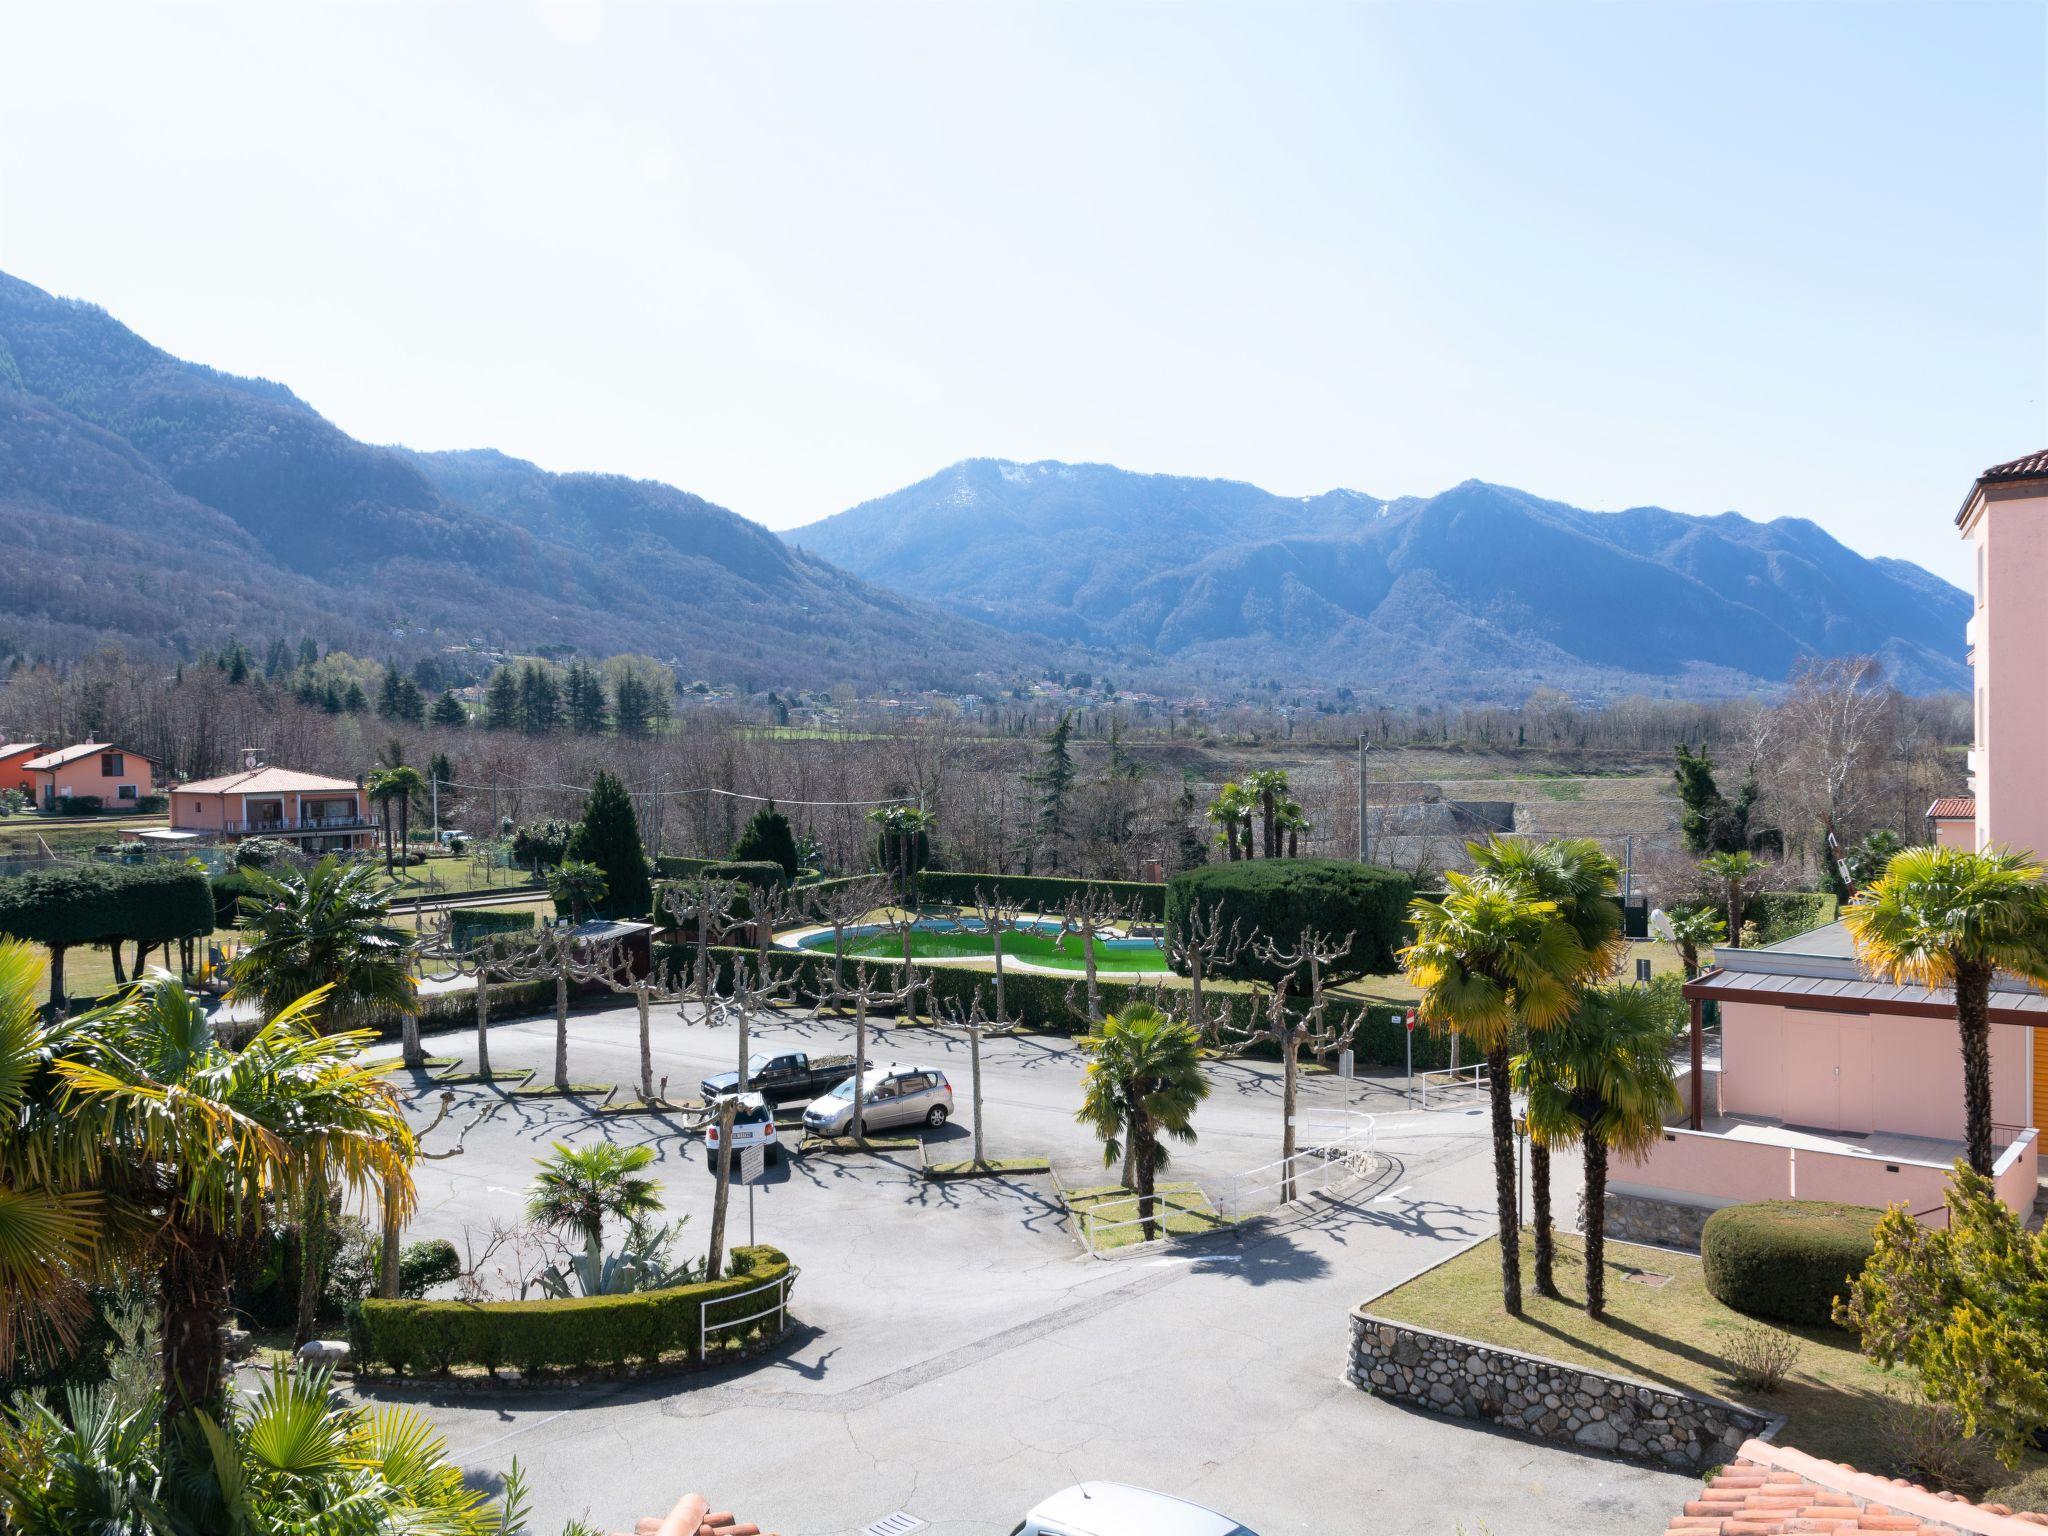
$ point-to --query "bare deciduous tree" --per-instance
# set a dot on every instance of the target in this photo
(1200, 946)
(1090, 912)
(387, 1268)
(1309, 1028)
(865, 996)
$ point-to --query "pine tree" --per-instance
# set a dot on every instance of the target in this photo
(767, 837)
(501, 701)
(309, 653)
(354, 701)
(631, 706)
(279, 661)
(411, 703)
(540, 700)
(586, 701)
(1053, 778)
(609, 837)
(449, 713)
(388, 704)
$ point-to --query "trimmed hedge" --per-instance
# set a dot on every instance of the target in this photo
(672, 866)
(1039, 893)
(469, 925)
(575, 1333)
(158, 902)
(1378, 1036)
(1278, 898)
(1786, 1259)
(1787, 914)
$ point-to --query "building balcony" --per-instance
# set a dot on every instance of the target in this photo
(305, 826)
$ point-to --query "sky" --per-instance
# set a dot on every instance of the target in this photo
(1771, 258)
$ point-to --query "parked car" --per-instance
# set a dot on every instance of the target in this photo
(1116, 1509)
(782, 1076)
(753, 1125)
(895, 1096)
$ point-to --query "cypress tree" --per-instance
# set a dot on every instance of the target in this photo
(609, 837)
(767, 838)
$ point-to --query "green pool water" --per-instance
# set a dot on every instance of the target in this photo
(1054, 951)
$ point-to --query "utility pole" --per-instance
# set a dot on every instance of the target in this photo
(1364, 837)
(434, 794)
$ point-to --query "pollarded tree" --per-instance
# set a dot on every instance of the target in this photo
(1143, 1082)
(1950, 918)
(609, 837)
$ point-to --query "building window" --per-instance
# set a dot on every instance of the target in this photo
(125, 792)
(112, 765)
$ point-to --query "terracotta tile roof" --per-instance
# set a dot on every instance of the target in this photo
(65, 755)
(1774, 1490)
(2033, 466)
(2018, 469)
(265, 781)
(1953, 808)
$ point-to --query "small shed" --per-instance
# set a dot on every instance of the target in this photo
(635, 939)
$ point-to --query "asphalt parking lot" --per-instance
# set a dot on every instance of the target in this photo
(958, 1357)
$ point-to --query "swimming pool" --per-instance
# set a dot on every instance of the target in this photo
(1034, 941)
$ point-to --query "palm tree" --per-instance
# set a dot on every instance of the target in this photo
(579, 883)
(327, 928)
(380, 795)
(1505, 951)
(1144, 1079)
(50, 1227)
(185, 1140)
(1231, 811)
(1949, 918)
(1603, 1079)
(1295, 824)
(289, 1460)
(402, 784)
(580, 1188)
(1689, 929)
(1733, 870)
(1266, 786)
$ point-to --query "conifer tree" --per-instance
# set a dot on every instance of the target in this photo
(540, 700)
(767, 837)
(631, 706)
(501, 701)
(609, 837)
(448, 711)
(1053, 778)
(586, 701)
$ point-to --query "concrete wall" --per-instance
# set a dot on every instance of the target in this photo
(1543, 1398)
(1905, 1076)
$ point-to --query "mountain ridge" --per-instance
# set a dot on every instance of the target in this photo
(1480, 590)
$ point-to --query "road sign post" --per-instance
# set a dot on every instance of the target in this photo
(1410, 1038)
(752, 1163)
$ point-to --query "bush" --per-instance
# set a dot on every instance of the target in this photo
(541, 843)
(153, 805)
(467, 926)
(1277, 899)
(1787, 914)
(1929, 1443)
(573, 1333)
(422, 1266)
(79, 805)
(1786, 1259)
(157, 902)
(1760, 1356)
(1038, 893)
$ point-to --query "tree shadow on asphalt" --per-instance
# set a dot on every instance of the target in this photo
(1035, 1207)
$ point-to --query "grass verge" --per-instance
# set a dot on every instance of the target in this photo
(518, 1077)
(397, 1064)
(814, 1144)
(994, 1167)
(1183, 1210)
(602, 1092)
(1661, 1327)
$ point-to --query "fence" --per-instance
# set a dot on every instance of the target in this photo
(1340, 1146)
(781, 1285)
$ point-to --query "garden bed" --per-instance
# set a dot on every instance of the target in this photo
(990, 1168)
(1661, 1328)
(1182, 1211)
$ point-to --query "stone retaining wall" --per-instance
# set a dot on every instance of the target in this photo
(1543, 1398)
(1659, 1222)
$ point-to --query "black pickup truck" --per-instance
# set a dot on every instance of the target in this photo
(783, 1076)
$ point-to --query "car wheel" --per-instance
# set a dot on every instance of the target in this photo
(937, 1117)
(774, 1155)
(711, 1161)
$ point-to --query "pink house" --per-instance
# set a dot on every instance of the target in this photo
(319, 814)
(92, 770)
(1830, 1084)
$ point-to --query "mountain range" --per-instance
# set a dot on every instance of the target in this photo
(163, 505)
(1480, 592)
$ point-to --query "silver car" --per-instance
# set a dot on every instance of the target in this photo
(895, 1096)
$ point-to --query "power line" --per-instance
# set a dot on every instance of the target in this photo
(649, 792)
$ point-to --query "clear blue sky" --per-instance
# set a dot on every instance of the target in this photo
(1787, 260)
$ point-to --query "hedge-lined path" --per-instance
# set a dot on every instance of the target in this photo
(958, 1358)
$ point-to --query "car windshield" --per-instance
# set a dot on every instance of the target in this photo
(843, 1091)
(756, 1063)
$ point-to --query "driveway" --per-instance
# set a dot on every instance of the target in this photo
(958, 1357)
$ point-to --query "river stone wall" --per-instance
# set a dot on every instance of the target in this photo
(1659, 1222)
(1543, 1398)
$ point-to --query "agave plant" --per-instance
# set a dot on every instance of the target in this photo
(640, 1264)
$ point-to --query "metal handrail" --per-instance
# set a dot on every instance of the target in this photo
(782, 1284)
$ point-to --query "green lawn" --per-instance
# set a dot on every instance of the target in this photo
(1661, 1327)
(1184, 1211)
(1062, 952)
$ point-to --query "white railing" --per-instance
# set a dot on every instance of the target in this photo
(1449, 1080)
(781, 1285)
(1094, 1229)
(1339, 1146)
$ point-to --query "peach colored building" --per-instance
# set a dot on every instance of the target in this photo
(319, 814)
(1831, 1084)
(14, 757)
(92, 770)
